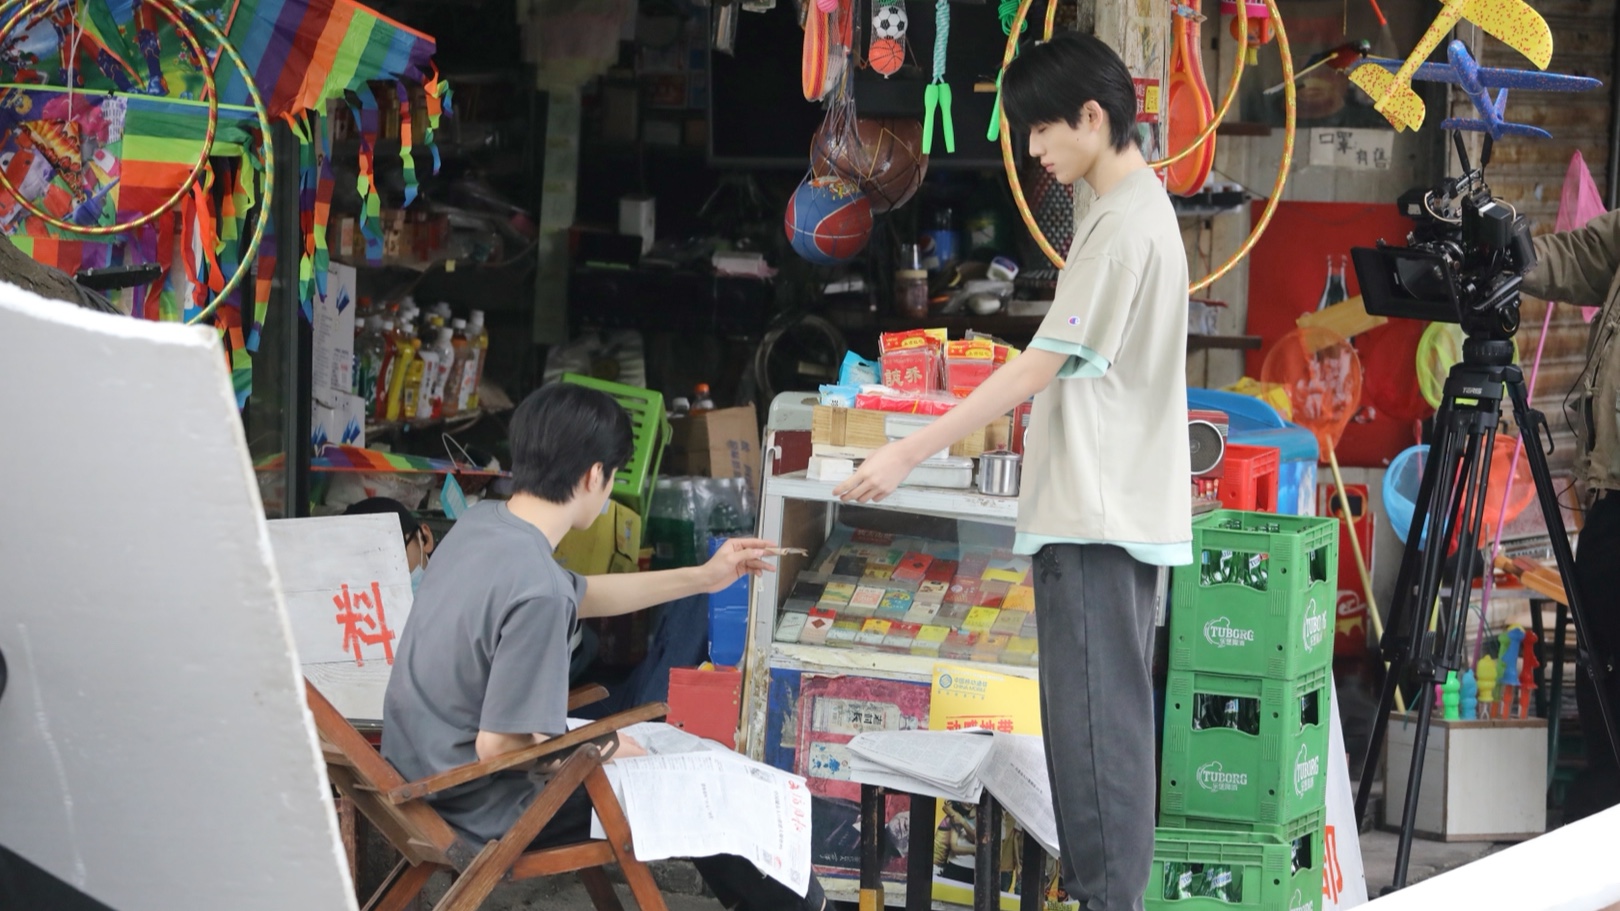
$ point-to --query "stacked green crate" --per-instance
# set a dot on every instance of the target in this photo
(1243, 786)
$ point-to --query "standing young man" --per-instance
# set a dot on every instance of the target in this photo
(482, 665)
(1105, 497)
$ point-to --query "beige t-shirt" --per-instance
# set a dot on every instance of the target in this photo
(1106, 453)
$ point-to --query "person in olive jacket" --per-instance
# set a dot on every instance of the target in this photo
(1582, 267)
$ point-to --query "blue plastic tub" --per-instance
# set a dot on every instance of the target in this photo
(1401, 483)
(1254, 423)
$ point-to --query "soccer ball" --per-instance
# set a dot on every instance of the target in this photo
(890, 21)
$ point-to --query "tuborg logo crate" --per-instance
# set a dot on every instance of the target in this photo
(1318, 623)
(1212, 777)
(1306, 771)
(1220, 633)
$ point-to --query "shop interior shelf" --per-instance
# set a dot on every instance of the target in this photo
(925, 500)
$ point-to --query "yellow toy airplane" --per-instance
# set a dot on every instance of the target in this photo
(1514, 22)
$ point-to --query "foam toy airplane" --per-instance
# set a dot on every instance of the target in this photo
(1476, 80)
(1512, 22)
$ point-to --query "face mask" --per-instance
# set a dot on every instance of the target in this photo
(416, 578)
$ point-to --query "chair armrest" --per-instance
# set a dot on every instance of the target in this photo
(579, 697)
(605, 729)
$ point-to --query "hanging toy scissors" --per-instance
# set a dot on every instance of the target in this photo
(938, 93)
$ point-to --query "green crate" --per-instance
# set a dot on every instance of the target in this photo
(633, 483)
(1263, 872)
(1264, 779)
(1259, 597)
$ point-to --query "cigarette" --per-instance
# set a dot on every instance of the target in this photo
(786, 551)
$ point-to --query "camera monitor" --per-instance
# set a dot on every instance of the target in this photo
(1407, 282)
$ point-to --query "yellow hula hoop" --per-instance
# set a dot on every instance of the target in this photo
(267, 149)
(268, 153)
(1283, 165)
(210, 89)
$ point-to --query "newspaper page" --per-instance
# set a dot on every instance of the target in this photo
(704, 803)
(1015, 773)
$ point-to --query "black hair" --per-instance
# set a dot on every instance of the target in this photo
(1051, 81)
(409, 525)
(559, 432)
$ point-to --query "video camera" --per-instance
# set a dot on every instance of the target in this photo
(1464, 260)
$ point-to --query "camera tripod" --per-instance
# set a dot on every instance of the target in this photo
(1453, 493)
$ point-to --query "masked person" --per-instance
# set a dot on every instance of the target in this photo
(418, 536)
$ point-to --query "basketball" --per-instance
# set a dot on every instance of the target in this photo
(883, 156)
(886, 55)
(828, 220)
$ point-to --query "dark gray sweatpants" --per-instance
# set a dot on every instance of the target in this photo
(1094, 606)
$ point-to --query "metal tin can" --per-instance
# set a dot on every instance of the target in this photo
(998, 473)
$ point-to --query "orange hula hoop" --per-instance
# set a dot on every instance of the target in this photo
(1283, 166)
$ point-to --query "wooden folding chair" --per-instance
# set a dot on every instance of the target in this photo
(428, 844)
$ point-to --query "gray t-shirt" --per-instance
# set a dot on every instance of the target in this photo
(486, 648)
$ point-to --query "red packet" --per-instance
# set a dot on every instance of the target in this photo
(913, 567)
(941, 571)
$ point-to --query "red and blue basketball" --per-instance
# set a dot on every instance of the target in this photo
(828, 220)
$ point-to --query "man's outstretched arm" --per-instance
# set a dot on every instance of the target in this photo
(623, 593)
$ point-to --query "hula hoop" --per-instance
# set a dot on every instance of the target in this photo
(1283, 165)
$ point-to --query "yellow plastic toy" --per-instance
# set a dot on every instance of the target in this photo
(1513, 22)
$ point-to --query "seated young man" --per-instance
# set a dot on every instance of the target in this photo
(482, 666)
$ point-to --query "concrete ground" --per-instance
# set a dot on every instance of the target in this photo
(682, 887)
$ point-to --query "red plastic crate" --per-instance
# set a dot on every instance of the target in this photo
(707, 703)
(1249, 482)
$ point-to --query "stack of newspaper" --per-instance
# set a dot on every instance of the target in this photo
(932, 763)
(960, 766)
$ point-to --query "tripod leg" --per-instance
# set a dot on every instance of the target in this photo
(1396, 645)
(1414, 587)
(1458, 448)
(1532, 425)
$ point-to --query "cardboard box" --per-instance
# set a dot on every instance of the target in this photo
(611, 545)
(716, 444)
(855, 433)
(1481, 779)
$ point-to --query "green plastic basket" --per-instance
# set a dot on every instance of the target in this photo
(633, 484)
(1259, 781)
(1262, 869)
(1259, 597)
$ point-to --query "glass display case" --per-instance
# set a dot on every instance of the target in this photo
(844, 638)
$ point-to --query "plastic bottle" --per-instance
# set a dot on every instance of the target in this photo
(399, 371)
(390, 337)
(478, 340)
(430, 391)
(453, 397)
(369, 349)
(445, 347)
(701, 401)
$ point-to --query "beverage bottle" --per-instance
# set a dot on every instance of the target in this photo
(701, 401)
(390, 336)
(368, 354)
(1178, 881)
(405, 349)
(445, 348)
(1333, 290)
(419, 384)
(454, 399)
(428, 389)
(1221, 883)
(478, 341)
(1231, 714)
